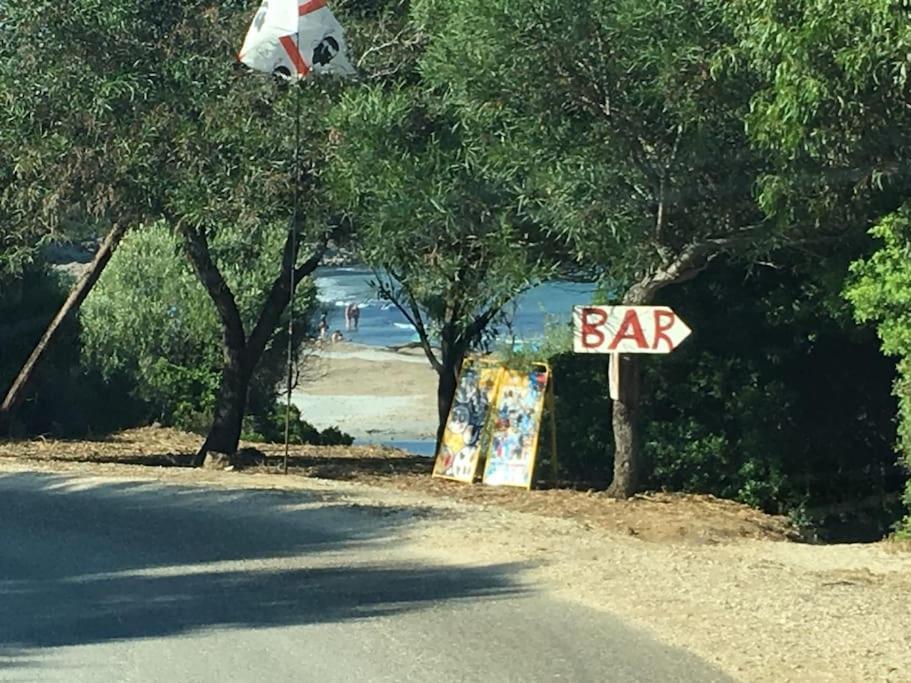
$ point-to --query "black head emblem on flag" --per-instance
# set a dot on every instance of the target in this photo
(326, 50)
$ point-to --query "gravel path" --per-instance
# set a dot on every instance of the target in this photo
(758, 610)
(114, 579)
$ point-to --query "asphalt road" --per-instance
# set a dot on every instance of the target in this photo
(114, 580)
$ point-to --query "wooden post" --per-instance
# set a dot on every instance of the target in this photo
(613, 375)
(77, 295)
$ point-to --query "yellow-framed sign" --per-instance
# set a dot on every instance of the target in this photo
(516, 414)
(467, 426)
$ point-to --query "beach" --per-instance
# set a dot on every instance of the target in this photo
(377, 395)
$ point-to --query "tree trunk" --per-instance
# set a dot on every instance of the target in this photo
(446, 388)
(627, 454)
(450, 363)
(241, 352)
(77, 295)
(682, 267)
(230, 407)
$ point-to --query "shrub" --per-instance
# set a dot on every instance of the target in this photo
(149, 323)
(777, 400)
(880, 291)
(63, 398)
(269, 427)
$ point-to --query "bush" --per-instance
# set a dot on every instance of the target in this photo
(270, 428)
(63, 399)
(150, 324)
(880, 291)
(777, 401)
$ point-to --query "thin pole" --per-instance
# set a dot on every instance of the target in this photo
(297, 147)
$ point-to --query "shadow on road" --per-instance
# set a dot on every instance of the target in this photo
(92, 561)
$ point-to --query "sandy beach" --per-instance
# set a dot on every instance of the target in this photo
(374, 394)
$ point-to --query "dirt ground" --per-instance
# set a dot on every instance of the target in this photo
(685, 518)
(710, 576)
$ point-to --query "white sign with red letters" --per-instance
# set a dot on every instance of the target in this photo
(627, 329)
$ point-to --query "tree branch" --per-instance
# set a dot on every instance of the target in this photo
(412, 315)
(196, 247)
(280, 294)
(686, 265)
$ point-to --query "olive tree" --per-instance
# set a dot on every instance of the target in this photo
(833, 115)
(621, 126)
(449, 245)
(126, 113)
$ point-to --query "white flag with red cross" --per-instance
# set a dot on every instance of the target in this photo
(296, 38)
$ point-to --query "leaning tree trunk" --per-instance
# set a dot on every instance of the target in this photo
(77, 295)
(627, 455)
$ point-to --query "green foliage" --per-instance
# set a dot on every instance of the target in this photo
(146, 115)
(778, 403)
(150, 321)
(832, 109)
(600, 113)
(269, 427)
(880, 291)
(66, 400)
(149, 118)
(427, 213)
(788, 404)
(833, 115)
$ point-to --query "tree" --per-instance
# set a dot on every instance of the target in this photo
(148, 117)
(880, 291)
(622, 125)
(151, 323)
(448, 244)
(833, 116)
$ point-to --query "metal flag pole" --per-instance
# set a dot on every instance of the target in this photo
(294, 227)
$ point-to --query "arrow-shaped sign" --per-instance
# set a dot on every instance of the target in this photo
(627, 329)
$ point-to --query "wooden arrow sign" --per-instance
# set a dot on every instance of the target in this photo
(627, 329)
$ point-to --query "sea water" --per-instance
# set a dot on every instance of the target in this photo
(382, 324)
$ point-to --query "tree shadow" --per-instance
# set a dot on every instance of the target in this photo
(91, 562)
(88, 561)
(97, 609)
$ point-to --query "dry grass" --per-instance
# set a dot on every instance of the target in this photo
(660, 517)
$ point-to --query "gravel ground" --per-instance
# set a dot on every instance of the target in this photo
(761, 610)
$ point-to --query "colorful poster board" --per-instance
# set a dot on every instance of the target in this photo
(460, 451)
(516, 416)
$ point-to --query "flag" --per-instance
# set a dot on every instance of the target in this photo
(296, 38)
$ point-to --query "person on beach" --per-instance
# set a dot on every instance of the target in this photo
(337, 337)
(352, 314)
(323, 326)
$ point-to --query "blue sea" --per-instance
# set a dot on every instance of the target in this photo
(382, 324)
